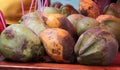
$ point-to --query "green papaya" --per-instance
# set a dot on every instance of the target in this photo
(96, 46)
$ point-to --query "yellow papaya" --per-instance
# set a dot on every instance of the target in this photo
(58, 44)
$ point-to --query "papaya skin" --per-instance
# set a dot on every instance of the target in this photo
(89, 8)
(58, 44)
(59, 21)
(18, 43)
(96, 46)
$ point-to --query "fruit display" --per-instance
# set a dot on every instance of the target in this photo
(96, 46)
(60, 33)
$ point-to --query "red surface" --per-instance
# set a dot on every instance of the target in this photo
(115, 65)
(1, 25)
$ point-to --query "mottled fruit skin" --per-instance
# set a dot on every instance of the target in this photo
(85, 24)
(59, 21)
(102, 4)
(74, 18)
(58, 44)
(96, 46)
(104, 17)
(113, 9)
(33, 21)
(50, 10)
(89, 8)
(19, 43)
(112, 24)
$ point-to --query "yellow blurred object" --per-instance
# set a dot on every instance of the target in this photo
(12, 9)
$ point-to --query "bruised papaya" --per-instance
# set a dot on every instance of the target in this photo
(96, 46)
(19, 43)
(58, 44)
(89, 8)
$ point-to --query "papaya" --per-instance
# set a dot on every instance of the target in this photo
(101, 18)
(89, 8)
(96, 46)
(19, 43)
(50, 10)
(74, 18)
(32, 20)
(58, 44)
(112, 24)
(85, 24)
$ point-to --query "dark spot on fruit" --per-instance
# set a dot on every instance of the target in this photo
(90, 7)
(55, 44)
(25, 42)
(56, 51)
(9, 34)
(17, 55)
(68, 48)
(50, 37)
(84, 12)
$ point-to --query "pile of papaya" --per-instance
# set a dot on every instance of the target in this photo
(60, 33)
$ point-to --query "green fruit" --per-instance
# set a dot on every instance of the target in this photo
(85, 24)
(67, 10)
(96, 46)
(19, 43)
(74, 18)
(50, 10)
(33, 21)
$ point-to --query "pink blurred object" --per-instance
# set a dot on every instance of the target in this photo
(2, 22)
(2, 27)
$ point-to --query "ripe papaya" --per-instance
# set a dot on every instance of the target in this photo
(58, 44)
